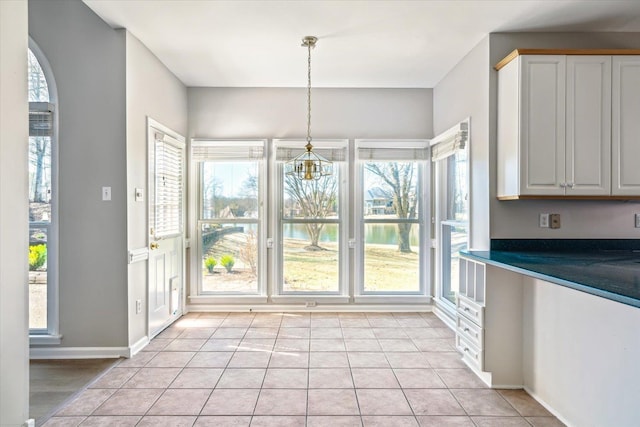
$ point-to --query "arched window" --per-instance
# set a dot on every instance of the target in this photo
(43, 293)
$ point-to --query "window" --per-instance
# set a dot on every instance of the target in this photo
(43, 296)
(392, 234)
(311, 223)
(450, 155)
(230, 216)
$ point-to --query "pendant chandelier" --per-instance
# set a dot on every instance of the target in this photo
(308, 166)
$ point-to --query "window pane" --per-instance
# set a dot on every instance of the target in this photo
(311, 257)
(230, 257)
(386, 268)
(310, 199)
(454, 239)
(390, 190)
(38, 278)
(229, 190)
(457, 208)
(391, 250)
(39, 179)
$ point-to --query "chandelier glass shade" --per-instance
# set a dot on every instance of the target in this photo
(309, 165)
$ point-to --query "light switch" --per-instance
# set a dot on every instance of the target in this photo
(106, 193)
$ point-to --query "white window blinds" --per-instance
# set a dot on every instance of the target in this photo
(207, 150)
(392, 150)
(40, 119)
(448, 142)
(169, 171)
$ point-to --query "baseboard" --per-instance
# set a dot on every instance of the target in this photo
(78, 352)
(547, 407)
(137, 346)
(289, 308)
(444, 316)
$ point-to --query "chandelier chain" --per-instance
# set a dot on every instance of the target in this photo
(309, 94)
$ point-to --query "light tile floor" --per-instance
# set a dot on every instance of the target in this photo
(299, 369)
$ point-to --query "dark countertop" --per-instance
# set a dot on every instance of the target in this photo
(611, 274)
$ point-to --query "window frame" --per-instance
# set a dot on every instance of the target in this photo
(197, 220)
(276, 194)
(423, 294)
(50, 334)
(440, 220)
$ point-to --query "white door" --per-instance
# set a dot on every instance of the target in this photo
(166, 226)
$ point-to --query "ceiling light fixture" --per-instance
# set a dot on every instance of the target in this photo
(309, 165)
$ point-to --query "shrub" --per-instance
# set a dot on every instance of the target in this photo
(249, 251)
(37, 256)
(210, 262)
(227, 262)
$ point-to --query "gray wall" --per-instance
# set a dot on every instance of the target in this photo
(336, 113)
(464, 92)
(580, 219)
(87, 58)
(470, 89)
(152, 91)
(14, 215)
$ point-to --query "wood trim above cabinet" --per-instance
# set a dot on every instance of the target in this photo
(517, 52)
(565, 197)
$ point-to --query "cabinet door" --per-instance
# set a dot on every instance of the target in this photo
(626, 125)
(588, 137)
(542, 125)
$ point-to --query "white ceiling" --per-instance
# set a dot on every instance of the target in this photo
(395, 44)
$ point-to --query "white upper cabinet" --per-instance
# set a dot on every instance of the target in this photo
(542, 124)
(626, 126)
(555, 126)
(588, 130)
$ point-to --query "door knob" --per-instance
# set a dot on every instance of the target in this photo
(154, 245)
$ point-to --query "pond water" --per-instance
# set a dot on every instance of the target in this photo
(383, 234)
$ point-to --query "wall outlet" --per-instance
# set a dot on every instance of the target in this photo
(543, 220)
(638, 220)
(138, 306)
(554, 220)
(311, 304)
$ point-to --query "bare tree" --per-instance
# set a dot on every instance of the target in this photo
(39, 146)
(39, 154)
(316, 199)
(249, 190)
(399, 178)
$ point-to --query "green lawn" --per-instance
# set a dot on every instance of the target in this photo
(386, 269)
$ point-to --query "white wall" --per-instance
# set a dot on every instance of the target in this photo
(462, 93)
(14, 215)
(87, 59)
(580, 219)
(152, 91)
(581, 355)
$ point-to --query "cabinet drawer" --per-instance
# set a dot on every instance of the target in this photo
(471, 310)
(469, 352)
(470, 331)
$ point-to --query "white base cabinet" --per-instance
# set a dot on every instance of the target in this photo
(489, 323)
(574, 352)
